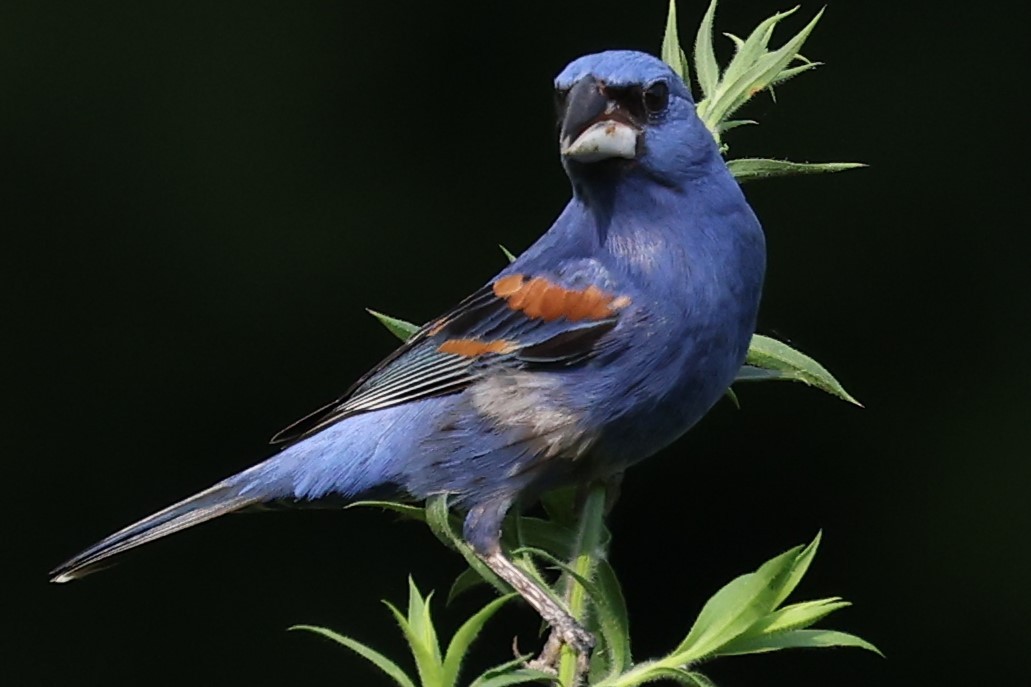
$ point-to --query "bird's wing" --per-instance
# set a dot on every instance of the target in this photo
(515, 320)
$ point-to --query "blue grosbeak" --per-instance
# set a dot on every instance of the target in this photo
(602, 343)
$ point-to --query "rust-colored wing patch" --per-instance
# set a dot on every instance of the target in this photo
(472, 348)
(539, 298)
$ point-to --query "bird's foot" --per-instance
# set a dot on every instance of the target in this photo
(564, 627)
(547, 662)
(573, 635)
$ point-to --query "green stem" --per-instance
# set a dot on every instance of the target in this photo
(586, 551)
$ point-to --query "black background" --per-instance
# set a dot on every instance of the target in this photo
(202, 197)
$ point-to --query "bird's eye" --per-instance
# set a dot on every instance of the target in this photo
(656, 97)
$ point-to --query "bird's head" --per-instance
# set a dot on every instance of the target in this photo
(623, 112)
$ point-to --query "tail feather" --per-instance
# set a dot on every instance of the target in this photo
(217, 500)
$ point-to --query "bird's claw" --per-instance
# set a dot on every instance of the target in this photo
(576, 638)
(547, 662)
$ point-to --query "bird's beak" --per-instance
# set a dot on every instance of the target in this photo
(595, 127)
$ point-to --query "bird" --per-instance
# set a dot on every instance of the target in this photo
(602, 343)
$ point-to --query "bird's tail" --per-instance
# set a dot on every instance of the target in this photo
(359, 457)
(224, 497)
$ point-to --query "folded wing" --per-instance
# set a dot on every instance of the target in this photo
(516, 320)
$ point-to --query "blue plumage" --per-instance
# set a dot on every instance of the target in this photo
(602, 343)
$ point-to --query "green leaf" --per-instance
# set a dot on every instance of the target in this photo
(427, 659)
(502, 668)
(652, 671)
(799, 639)
(678, 675)
(671, 53)
(553, 537)
(399, 328)
(464, 637)
(797, 616)
(508, 254)
(790, 364)
(702, 680)
(421, 622)
(798, 569)
(749, 168)
(792, 72)
(612, 613)
(752, 49)
(706, 68)
(753, 69)
(750, 373)
(406, 510)
(736, 40)
(465, 581)
(393, 670)
(736, 90)
(521, 676)
(733, 124)
(734, 609)
(732, 397)
(441, 522)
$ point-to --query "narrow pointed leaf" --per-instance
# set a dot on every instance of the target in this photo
(441, 521)
(520, 676)
(403, 509)
(393, 670)
(677, 675)
(735, 92)
(701, 679)
(751, 373)
(399, 328)
(613, 614)
(465, 581)
(796, 616)
(427, 663)
(439, 518)
(506, 667)
(750, 50)
(800, 639)
(770, 354)
(736, 40)
(734, 608)
(458, 647)
(671, 52)
(707, 70)
(734, 123)
(798, 569)
(553, 537)
(792, 72)
(750, 168)
(420, 621)
(732, 397)
(508, 254)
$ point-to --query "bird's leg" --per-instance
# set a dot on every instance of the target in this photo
(482, 531)
(549, 656)
(564, 627)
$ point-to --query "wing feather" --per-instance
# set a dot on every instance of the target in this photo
(512, 321)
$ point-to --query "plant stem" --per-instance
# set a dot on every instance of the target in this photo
(587, 549)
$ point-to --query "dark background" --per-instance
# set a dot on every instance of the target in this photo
(202, 197)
